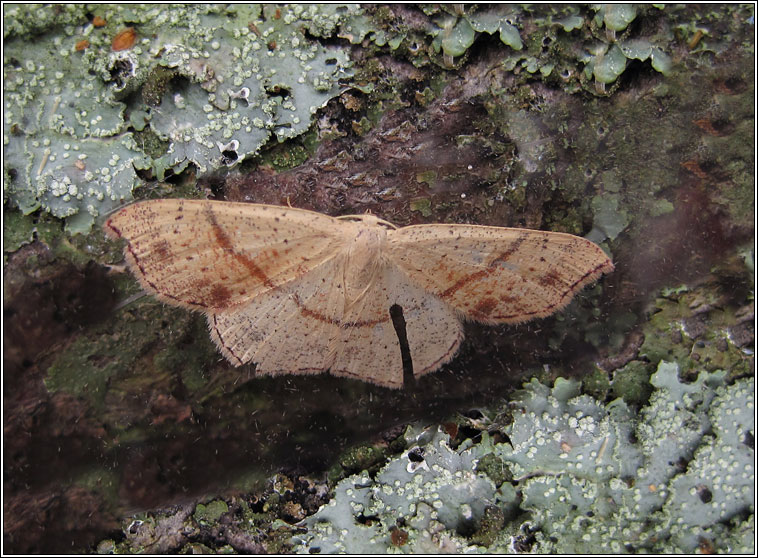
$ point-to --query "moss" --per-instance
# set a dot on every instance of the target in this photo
(596, 383)
(101, 481)
(693, 329)
(661, 207)
(206, 514)
(361, 458)
(490, 526)
(155, 85)
(151, 143)
(73, 373)
(286, 156)
(423, 98)
(422, 205)
(632, 383)
(362, 126)
(495, 468)
(18, 229)
(93, 361)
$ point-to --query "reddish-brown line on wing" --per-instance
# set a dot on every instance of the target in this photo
(463, 281)
(143, 273)
(558, 304)
(111, 227)
(225, 242)
(307, 312)
(218, 334)
(223, 239)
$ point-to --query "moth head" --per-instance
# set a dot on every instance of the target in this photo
(368, 220)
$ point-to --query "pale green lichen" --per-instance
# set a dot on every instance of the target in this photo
(616, 477)
(430, 492)
(609, 219)
(607, 67)
(584, 473)
(456, 36)
(509, 34)
(557, 42)
(235, 82)
(617, 17)
(244, 87)
(66, 145)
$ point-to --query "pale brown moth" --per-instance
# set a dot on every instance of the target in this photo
(299, 292)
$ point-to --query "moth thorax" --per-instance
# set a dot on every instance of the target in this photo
(364, 260)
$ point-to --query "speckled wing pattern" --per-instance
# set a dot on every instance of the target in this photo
(300, 292)
(497, 274)
(368, 347)
(216, 255)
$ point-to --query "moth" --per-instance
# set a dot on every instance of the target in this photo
(300, 292)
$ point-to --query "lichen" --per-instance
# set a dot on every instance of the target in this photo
(590, 46)
(692, 328)
(245, 83)
(215, 88)
(508, 131)
(60, 154)
(430, 491)
(587, 474)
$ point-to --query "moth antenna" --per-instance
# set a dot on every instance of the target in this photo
(128, 300)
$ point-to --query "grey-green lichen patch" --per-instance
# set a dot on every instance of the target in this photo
(431, 492)
(719, 482)
(219, 82)
(571, 45)
(246, 81)
(624, 491)
(65, 143)
(32, 19)
(617, 17)
(609, 219)
(580, 475)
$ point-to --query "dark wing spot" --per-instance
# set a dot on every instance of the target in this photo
(219, 296)
(162, 249)
(552, 280)
(485, 307)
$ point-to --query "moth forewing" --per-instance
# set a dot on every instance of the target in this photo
(215, 255)
(497, 274)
